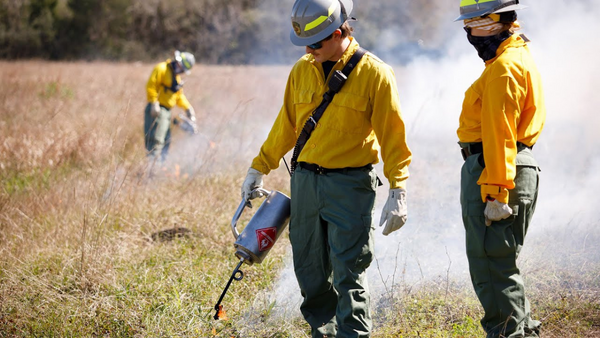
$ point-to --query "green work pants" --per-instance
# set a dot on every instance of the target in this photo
(331, 233)
(492, 250)
(157, 132)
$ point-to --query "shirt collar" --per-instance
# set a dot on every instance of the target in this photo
(513, 41)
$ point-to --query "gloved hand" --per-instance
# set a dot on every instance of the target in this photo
(191, 114)
(495, 211)
(253, 180)
(155, 109)
(394, 212)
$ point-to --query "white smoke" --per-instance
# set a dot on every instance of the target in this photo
(431, 244)
(432, 92)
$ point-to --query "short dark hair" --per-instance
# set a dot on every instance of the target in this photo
(508, 17)
(346, 29)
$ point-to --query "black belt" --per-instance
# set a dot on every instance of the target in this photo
(317, 169)
(477, 148)
(471, 149)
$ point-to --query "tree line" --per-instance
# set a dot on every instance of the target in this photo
(216, 31)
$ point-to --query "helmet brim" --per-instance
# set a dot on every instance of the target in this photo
(487, 11)
(510, 8)
(348, 6)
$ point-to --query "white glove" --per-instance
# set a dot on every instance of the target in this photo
(253, 180)
(495, 211)
(394, 212)
(155, 109)
(191, 114)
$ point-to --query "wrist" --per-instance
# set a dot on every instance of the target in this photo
(493, 191)
(254, 171)
(397, 184)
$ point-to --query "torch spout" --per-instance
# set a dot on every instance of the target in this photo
(237, 275)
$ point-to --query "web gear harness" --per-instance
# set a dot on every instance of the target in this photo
(338, 78)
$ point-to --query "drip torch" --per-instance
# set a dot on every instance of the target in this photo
(259, 235)
(186, 124)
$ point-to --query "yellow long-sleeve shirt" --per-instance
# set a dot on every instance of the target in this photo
(362, 116)
(157, 87)
(503, 107)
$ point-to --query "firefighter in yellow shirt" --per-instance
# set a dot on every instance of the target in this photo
(164, 91)
(502, 117)
(333, 184)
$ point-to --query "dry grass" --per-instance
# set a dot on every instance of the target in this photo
(77, 212)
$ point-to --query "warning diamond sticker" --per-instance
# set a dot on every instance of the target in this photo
(266, 238)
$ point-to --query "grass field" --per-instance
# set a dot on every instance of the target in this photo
(77, 214)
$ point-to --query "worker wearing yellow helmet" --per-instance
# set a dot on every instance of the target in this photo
(164, 90)
(502, 117)
(333, 183)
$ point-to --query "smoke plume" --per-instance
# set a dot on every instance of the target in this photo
(431, 244)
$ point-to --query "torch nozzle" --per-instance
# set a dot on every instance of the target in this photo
(237, 275)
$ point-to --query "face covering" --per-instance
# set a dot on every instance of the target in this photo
(487, 46)
(176, 67)
(175, 85)
(489, 23)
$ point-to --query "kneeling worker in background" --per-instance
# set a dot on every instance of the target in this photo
(164, 91)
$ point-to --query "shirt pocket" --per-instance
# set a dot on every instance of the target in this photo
(348, 114)
(303, 97)
(470, 119)
(471, 97)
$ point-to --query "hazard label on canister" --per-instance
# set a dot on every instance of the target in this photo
(266, 238)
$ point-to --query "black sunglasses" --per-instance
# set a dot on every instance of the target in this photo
(318, 45)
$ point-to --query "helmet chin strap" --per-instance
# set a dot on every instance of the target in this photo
(177, 68)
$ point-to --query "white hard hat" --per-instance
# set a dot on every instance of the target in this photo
(186, 60)
(474, 8)
(314, 20)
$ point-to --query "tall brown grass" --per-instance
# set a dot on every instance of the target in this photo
(77, 211)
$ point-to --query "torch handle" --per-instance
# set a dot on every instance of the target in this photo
(240, 209)
(233, 276)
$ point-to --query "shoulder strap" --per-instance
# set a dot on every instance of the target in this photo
(175, 86)
(354, 60)
(336, 82)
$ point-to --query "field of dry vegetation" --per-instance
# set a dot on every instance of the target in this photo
(77, 214)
